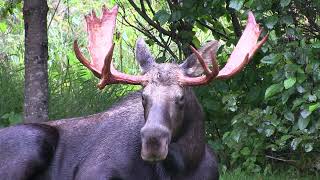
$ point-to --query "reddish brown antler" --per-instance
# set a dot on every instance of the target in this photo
(242, 53)
(100, 35)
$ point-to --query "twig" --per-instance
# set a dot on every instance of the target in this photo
(149, 20)
(213, 30)
(280, 159)
(54, 13)
(147, 33)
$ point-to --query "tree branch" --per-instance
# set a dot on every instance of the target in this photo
(234, 19)
(149, 20)
(147, 32)
(150, 7)
(213, 30)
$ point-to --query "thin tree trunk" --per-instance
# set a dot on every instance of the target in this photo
(36, 57)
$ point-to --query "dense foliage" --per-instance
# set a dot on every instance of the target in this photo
(265, 118)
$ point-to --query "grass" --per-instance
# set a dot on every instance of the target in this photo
(244, 176)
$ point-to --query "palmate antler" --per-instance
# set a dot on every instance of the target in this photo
(100, 32)
(242, 53)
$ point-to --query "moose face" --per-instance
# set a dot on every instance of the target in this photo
(163, 102)
(163, 99)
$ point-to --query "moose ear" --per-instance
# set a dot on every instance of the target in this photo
(191, 65)
(143, 56)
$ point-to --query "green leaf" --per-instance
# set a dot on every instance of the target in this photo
(236, 4)
(312, 98)
(289, 116)
(300, 89)
(287, 20)
(316, 45)
(285, 137)
(297, 102)
(162, 16)
(305, 113)
(3, 26)
(269, 131)
(303, 123)
(285, 3)
(271, 59)
(236, 136)
(196, 41)
(271, 21)
(314, 107)
(176, 15)
(245, 151)
(188, 4)
(308, 147)
(286, 95)
(273, 90)
(288, 83)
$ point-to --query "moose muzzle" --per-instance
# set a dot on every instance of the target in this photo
(155, 141)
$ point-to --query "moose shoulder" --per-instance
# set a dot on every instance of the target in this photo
(155, 133)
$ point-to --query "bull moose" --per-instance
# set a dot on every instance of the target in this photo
(154, 133)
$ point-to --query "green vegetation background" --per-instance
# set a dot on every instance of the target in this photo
(263, 121)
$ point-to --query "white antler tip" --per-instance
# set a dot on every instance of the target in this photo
(251, 18)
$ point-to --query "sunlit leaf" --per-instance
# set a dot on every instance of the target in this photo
(288, 83)
(295, 142)
(305, 113)
(314, 107)
(308, 147)
(273, 90)
(316, 45)
(236, 4)
(269, 131)
(312, 98)
(3, 26)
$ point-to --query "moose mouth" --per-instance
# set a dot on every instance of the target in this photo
(154, 152)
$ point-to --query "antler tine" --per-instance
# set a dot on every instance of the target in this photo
(201, 61)
(84, 60)
(215, 66)
(106, 72)
(259, 45)
(204, 79)
(111, 76)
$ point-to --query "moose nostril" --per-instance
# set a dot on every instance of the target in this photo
(153, 142)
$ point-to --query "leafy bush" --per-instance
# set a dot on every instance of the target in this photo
(269, 114)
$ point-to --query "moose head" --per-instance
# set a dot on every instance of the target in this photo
(165, 86)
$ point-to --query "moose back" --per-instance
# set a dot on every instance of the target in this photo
(155, 133)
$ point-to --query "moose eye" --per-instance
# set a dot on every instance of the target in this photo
(180, 100)
(143, 97)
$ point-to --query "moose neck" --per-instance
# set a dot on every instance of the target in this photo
(192, 132)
